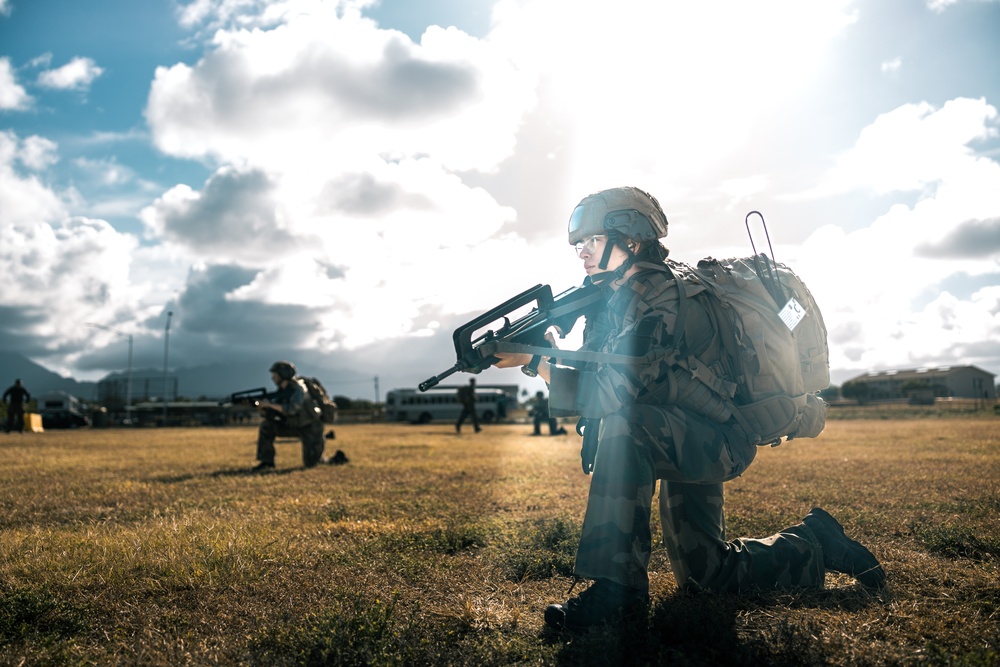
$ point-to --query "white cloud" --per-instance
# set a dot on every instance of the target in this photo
(337, 140)
(13, 96)
(59, 270)
(941, 5)
(77, 74)
(666, 89)
(107, 172)
(5, 7)
(237, 217)
(358, 128)
(43, 60)
(80, 264)
(914, 147)
(327, 92)
(868, 281)
(368, 189)
(892, 66)
(25, 199)
(38, 153)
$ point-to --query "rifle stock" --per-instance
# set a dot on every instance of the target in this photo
(477, 353)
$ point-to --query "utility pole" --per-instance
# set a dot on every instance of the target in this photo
(166, 351)
(128, 383)
(376, 389)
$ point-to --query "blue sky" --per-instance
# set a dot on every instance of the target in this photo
(342, 183)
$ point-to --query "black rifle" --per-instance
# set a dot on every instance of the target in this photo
(526, 334)
(253, 397)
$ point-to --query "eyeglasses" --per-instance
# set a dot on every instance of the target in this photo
(589, 244)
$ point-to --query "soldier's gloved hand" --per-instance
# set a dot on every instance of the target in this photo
(588, 428)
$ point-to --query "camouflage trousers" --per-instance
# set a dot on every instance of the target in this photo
(311, 436)
(692, 457)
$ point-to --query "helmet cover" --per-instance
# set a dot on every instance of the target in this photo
(284, 369)
(629, 211)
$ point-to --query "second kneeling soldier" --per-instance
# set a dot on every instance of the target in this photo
(289, 412)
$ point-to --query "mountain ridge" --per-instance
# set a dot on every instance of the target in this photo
(213, 381)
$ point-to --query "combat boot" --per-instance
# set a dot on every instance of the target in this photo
(604, 602)
(841, 553)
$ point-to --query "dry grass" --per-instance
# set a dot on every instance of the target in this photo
(153, 547)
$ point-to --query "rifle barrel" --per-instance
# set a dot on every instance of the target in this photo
(433, 381)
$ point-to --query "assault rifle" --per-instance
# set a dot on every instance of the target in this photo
(253, 397)
(526, 334)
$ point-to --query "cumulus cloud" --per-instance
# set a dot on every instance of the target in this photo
(331, 91)
(670, 77)
(972, 239)
(209, 309)
(24, 198)
(940, 5)
(364, 195)
(369, 192)
(81, 264)
(877, 309)
(913, 147)
(38, 153)
(13, 96)
(372, 144)
(336, 141)
(235, 216)
(77, 74)
(892, 66)
(59, 270)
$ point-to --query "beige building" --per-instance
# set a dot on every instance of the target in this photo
(943, 381)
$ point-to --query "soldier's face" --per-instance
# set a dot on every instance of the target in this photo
(592, 251)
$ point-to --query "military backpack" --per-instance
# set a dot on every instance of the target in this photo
(774, 345)
(327, 408)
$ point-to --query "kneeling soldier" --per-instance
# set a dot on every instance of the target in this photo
(289, 412)
(641, 428)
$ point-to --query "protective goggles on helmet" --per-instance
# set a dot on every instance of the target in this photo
(579, 220)
(589, 244)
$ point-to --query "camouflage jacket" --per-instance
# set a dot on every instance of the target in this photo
(298, 408)
(640, 319)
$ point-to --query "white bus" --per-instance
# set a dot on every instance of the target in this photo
(441, 403)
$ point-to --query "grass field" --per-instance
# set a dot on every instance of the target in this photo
(154, 547)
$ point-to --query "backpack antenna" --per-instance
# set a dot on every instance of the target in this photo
(772, 281)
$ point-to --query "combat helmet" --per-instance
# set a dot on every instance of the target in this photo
(284, 369)
(630, 212)
(620, 214)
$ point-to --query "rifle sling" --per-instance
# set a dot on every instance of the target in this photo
(491, 348)
(578, 304)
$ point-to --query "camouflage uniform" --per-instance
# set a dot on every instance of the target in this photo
(658, 423)
(540, 415)
(300, 418)
(467, 397)
(16, 396)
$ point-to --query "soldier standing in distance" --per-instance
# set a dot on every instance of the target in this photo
(467, 397)
(644, 423)
(16, 397)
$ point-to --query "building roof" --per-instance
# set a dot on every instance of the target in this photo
(916, 373)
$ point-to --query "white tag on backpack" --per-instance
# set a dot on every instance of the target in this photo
(792, 314)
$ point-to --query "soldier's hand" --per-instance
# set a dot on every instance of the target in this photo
(511, 360)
